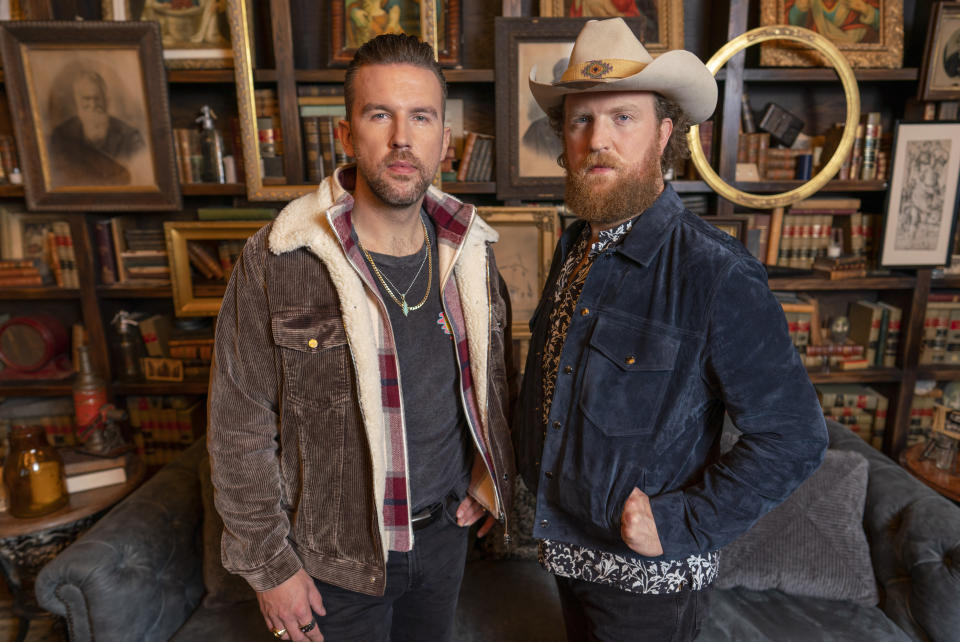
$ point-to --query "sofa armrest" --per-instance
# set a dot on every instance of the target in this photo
(136, 575)
(914, 536)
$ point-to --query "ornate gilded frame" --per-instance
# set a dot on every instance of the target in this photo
(239, 13)
(524, 266)
(669, 22)
(887, 53)
(935, 83)
(177, 233)
(430, 24)
(182, 57)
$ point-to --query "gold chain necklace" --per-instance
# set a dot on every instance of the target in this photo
(402, 301)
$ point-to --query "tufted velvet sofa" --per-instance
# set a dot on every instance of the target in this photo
(136, 575)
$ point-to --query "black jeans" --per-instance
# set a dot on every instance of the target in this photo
(599, 613)
(420, 599)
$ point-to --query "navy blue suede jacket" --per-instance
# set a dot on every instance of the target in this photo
(674, 326)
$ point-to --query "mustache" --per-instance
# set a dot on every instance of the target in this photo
(595, 159)
(404, 157)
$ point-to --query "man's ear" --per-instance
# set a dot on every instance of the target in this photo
(346, 136)
(666, 128)
(447, 134)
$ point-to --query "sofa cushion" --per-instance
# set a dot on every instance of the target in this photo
(813, 544)
(742, 615)
(222, 587)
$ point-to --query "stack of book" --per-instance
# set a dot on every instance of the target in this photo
(128, 251)
(861, 408)
(165, 426)
(86, 472)
(941, 330)
(19, 272)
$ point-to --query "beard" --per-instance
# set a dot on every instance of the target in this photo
(633, 190)
(412, 187)
(94, 123)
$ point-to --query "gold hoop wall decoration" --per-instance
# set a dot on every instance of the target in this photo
(850, 90)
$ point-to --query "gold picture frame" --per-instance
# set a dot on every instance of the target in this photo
(662, 32)
(191, 298)
(528, 236)
(193, 37)
(875, 41)
(241, 33)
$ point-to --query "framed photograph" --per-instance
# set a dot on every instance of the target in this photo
(868, 32)
(527, 239)
(202, 255)
(921, 205)
(734, 226)
(660, 21)
(940, 74)
(195, 33)
(527, 147)
(89, 104)
(354, 22)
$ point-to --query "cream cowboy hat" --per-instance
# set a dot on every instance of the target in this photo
(608, 57)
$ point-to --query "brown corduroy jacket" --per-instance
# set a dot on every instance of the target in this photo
(296, 435)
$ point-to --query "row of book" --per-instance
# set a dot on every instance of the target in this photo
(191, 158)
(860, 408)
(811, 228)
(35, 250)
(477, 161)
(873, 338)
(941, 330)
(869, 157)
(165, 426)
(920, 418)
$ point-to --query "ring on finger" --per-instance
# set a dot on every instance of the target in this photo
(306, 628)
(278, 633)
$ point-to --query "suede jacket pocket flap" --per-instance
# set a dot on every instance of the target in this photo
(308, 331)
(634, 349)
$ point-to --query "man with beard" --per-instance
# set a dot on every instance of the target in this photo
(651, 325)
(359, 395)
(90, 147)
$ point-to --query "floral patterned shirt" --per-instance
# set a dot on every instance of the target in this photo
(578, 562)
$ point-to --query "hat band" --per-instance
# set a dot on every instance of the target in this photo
(602, 69)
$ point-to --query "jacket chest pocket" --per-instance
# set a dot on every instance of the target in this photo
(625, 378)
(315, 356)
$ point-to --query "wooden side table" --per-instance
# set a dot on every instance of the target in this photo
(945, 483)
(27, 544)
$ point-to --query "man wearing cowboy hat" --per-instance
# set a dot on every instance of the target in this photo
(652, 324)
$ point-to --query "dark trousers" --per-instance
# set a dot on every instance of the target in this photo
(599, 613)
(420, 599)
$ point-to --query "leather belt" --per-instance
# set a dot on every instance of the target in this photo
(427, 516)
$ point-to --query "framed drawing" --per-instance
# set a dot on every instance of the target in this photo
(527, 239)
(868, 32)
(940, 74)
(660, 21)
(527, 147)
(921, 204)
(89, 103)
(434, 21)
(196, 34)
(202, 254)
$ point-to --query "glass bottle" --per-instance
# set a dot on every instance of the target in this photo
(211, 146)
(89, 393)
(33, 473)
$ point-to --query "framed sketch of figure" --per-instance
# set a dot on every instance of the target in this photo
(91, 113)
(921, 208)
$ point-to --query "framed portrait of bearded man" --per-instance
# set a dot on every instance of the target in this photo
(89, 104)
(869, 33)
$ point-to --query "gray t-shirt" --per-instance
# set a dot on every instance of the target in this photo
(438, 446)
